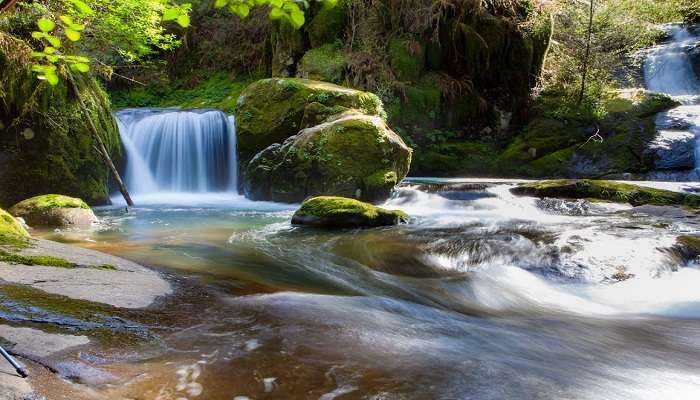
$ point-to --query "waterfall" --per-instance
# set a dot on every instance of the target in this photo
(668, 69)
(178, 151)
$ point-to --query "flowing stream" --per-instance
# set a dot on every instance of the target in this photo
(482, 296)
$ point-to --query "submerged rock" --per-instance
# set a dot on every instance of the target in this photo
(606, 191)
(271, 110)
(341, 212)
(55, 210)
(351, 155)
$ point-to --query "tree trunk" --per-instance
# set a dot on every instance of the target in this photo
(587, 55)
(102, 150)
(6, 5)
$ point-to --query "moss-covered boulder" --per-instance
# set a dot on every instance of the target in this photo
(606, 191)
(45, 143)
(352, 155)
(325, 63)
(271, 110)
(559, 145)
(12, 233)
(341, 212)
(55, 210)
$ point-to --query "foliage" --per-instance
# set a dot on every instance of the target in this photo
(288, 10)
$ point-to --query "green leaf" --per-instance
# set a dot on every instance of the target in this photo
(53, 58)
(80, 67)
(49, 50)
(276, 3)
(77, 27)
(220, 3)
(53, 40)
(45, 25)
(66, 20)
(243, 10)
(72, 35)
(297, 18)
(276, 13)
(82, 8)
(183, 20)
(38, 54)
(51, 77)
(171, 14)
(38, 35)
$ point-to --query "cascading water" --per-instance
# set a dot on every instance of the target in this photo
(174, 151)
(669, 69)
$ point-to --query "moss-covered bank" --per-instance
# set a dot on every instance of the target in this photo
(340, 212)
(45, 144)
(11, 232)
(607, 191)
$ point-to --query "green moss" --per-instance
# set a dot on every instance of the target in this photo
(107, 267)
(338, 212)
(47, 261)
(219, 91)
(419, 105)
(50, 201)
(271, 110)
(325, 63)
(607, 190)
(407, 58)
(12, 233)
(328, 24)
(79, 309)
(690, 243)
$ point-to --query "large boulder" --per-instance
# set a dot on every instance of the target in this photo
(55, 211)
(341, 212)
(351, 155)
(271, 110)
(45, 142)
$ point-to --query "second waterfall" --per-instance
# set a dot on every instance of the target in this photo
(167, 150)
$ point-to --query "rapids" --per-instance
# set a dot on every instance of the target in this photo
(483, 296)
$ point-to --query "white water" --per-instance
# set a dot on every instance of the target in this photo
(172, 152)
(667, 69)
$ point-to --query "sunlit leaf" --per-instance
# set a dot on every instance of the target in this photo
(80, 67)
(220, 3)
(276, 13)
(66, 20)
(45, 25)
(243, 10)
(53, 40)
(37, 54)
(51, 77)
(82, 8)
(49, 50)
(183, 20)
(72, 35)
(38, 35)
(171, 14)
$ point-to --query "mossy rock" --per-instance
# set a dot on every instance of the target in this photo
(271, 110)
(46, 145)
(55, 210)
(341, 212)
(690, 245)
(464, 158)
(325, 63)
(607, 191)
(351, 155)
(12, 233)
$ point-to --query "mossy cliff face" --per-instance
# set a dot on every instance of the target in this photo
(607, 191)
(45, 144)
(352, 155)
(271, 110)
(341, 212)
(464, 67)
(552, 146)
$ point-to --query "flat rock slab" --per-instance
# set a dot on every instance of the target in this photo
(36, 343)
(129, 285)
(12, 386)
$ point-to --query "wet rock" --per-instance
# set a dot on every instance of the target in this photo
(340, 212)
(11, 231)
(674, 150)
(351, 155)
(606, 191)
(54, 210)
